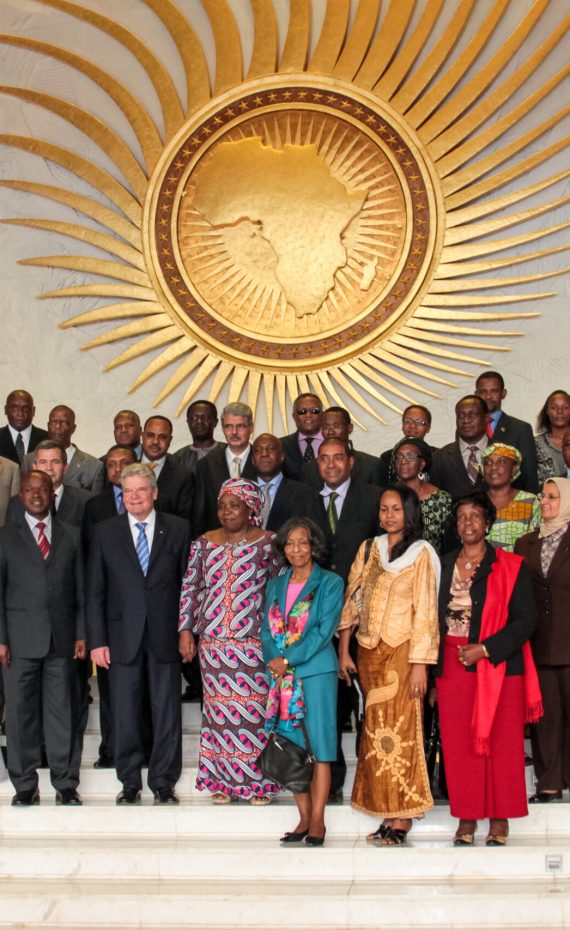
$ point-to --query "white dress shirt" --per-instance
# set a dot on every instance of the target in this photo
(150, 521)
(341, 493)
(33, 524)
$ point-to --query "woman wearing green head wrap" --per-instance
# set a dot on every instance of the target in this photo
(518, 512)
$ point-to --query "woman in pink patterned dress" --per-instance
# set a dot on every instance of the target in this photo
(222, 600)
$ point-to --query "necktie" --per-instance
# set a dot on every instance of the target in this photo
(120, 502)
(309, 451)
(490, 429)
(43, 541)
(266, 506)
(142, 547)
(20, 451)
(472, 464)
(332, 515)
(237, 467)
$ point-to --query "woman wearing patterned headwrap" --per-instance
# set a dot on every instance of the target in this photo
(222, 601)
(518, 512)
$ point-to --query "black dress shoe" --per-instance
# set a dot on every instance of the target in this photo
(294, 837)
(128, 795)
(103, 763)
(26, 798)
(166, 796)
(545, 797)
(315, 840)
(68, 797)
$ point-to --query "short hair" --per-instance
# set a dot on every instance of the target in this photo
(343, 412)
(543, 424)
(495, 375)
(139, 470)
(413, 519)
(336, 441)
(418, 407)
(50, 444)
(420, 444)
(19, 391)
(316, 538)
(205, 403)
(128, 413)
(237, 409)
(159, 416)
(118, 447)
(307, 394)
(63, 407)
(476, 499)
(477, 399)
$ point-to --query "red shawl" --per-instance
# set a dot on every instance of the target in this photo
(504, 573)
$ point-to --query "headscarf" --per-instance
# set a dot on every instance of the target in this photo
(420, 445)
(248, 492)
(548, 527)
(508, 452)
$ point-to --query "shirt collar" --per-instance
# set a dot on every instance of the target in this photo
(341, 491)
(150, 520)
(33, 521)
(481, 444)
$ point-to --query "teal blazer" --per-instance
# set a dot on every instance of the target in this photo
(313, 653)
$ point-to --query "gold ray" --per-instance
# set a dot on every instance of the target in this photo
(209, 364)
(93, 128)
(281, 387)
(95, 176)
(407, 342)
(86, 205)
(449, 113)
(153, 341)
(303, 382)
(179, 348)
(189, 49)
(438, 313)
(453, 286)
(238, 381)
(459, 269)
(220, 378)
(228, 45)
(373, 362)
(477, 144)
(292, 387)
(143, 127)
(399, 354)
(427, 326)
(268, 391)
(365, 369)
(338, 375)
(318, 387)
(172, 112)
(460, 252)
(476, 230)
(474, 300)
(187, 366)
(126, 330)
(422, 77)
(265, 47)
(388, 84)
(130, 291)
(109, 269)
(253, 383)
(487, 207)
(296, 49)
(332, 37)
(84, 234)
(114, 312)
(374, 358)
(385, 44)
(418, 333)
(358, 40)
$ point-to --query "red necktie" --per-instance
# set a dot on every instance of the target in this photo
(490, 429)
(43, 541)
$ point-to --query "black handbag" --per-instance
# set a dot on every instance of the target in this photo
(434, 757)
(286, 763)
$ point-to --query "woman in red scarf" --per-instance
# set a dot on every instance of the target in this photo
(487, 686)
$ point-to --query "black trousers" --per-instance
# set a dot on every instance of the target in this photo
(106, 720)
(550, 737)
(128, 684)
(42, 700)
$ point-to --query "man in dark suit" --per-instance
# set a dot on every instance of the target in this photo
(127, 431)
(19, 436)
(136, 564)
(83, 470)
(457, 467)
(337, 424)
(202, 419)
(42, 632)
(175, 483)
(416, 424)
(231, 461)
(68, 503)
(303, 445)
(490, 386)
(282, 497)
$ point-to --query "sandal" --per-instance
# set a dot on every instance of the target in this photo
(378, 834)
(391, 837)
(497, 839)
(220, 798)
(465, 839)
(260, 801)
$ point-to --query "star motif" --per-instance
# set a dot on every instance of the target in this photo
(316, 95)
(359, 111)
(258, 100)
(218, 121)
(302, 94)
(169, 266)
(272, 97)
(230, 112)
(345, 104)
(331, 98)
(392, 138)
(243, 106)
(370, 119)
(206, 130)
(287, 95)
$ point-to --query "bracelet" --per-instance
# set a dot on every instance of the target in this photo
(485, 652)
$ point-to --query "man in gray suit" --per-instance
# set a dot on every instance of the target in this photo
(68, 503)
(9, 485)
(83, 470)
(42, 634)
(202, 419)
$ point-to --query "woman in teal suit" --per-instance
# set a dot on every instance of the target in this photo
(302, 613)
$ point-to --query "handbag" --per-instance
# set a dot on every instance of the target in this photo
(286, 763)
(434, 758)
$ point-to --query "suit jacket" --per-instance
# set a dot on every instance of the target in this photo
(293, 464)
(506, 644)
(551, 640)
(9, 485)
(122, 603)
(313, 653)
(7, 447)
(519, 434)
(103, 507)
(84, 471)
(70, 510)
(176, 485)
(292, 500)
(358, 521)
(41, 599)
(210, 474)
(366, 469)
(449, 473)
(188, 457)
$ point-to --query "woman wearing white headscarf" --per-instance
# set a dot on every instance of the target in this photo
(547, 553)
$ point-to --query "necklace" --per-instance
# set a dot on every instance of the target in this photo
(471, 563)
(235, 543)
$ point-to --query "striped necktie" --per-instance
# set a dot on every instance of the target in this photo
(472, 464)
(266, 506)
(142, 547)
(43, 541)
(332, 515)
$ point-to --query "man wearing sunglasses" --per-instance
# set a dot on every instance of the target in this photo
(303, 445)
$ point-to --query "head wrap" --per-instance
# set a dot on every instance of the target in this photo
(548, 527)
(248, 492)
(508, 452)
(420, 445)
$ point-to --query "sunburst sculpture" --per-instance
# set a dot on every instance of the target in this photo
(322, 222)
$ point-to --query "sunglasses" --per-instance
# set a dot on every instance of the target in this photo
(302, 411)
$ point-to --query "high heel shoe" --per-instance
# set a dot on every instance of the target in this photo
(294, 837)
(315, 840)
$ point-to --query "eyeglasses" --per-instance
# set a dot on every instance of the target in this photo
(409, 422)
(406, 457)
(302, 411)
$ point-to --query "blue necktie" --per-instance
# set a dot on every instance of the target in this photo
(142, 547)
(120, 504)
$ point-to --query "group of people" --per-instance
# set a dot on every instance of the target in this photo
(293, 567)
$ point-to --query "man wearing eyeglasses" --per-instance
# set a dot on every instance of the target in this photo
(303, 445)
(457, 466)
(416, 424)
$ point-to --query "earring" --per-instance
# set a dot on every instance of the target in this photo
(422, 475)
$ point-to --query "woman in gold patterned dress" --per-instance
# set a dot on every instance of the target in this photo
(391, 600)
